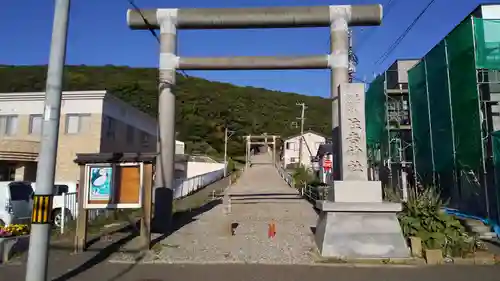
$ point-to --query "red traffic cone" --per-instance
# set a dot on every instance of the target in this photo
(271, 231)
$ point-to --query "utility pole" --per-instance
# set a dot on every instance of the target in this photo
(227, 135)
(247, 158)
(301, 118)
(38, 254)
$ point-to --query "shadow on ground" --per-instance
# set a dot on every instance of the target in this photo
(183, 218)
(127, 234)
(250, 195)
(101, 256)
(188, 216)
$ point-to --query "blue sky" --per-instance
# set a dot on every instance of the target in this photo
(98, 35)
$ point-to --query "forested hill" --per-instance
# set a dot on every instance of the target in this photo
(203, 107)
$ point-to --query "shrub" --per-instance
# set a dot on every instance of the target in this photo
(301, 176)
(231, 166)
(422, 216)
(14, 230)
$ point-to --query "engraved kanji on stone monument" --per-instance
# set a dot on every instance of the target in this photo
(354, 123)
(352, 132)
(354, 149)
(355, 166)
(354, 138)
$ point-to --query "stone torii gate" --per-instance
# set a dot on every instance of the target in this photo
(263, 139)
(337, 17)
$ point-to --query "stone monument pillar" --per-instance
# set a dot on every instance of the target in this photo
(354, 221)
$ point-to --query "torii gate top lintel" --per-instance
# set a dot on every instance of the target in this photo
(265, 17)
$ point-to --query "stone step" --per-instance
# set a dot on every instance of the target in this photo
(481, 229)
(474, 222)
(488, 235)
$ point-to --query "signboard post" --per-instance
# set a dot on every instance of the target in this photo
(327, 169)
(114, 181)
(327, 164)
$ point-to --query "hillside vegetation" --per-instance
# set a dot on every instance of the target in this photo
(204, 107)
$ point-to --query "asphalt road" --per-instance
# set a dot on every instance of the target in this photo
(129, 272)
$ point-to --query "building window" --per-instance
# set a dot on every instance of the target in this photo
(35, 126)
(109, 125)
(293, 159)
(130, 134)
(8, 125)
(145, 139)
(74, 123)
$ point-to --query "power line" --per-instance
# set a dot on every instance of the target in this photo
(396, 43)
(388, 7)
(150, 27)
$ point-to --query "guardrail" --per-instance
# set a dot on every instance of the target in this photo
(314, 193)
(70, 205)
(182, 188)
(285, 176)
(185, 187)
(309, 192)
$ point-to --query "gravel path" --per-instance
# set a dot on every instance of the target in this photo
(259, 197)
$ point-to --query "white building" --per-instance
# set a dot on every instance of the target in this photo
(310, 144)
(179, 147)
(90, 122)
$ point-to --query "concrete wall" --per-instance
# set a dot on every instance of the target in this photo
(199, 168)
(490, 11)
(183, 187)
(397, 73)
(311, 143)
(179, 147)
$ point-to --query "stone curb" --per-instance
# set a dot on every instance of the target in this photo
(262, 263)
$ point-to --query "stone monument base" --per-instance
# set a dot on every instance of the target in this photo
(360, 231)
(356, 191)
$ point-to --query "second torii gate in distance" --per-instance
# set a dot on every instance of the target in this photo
(263, 139)
(337, 17)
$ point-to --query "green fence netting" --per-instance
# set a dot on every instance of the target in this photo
(440, 112)
(375, 112)
(443, 87)
(417, 87)
(439, 105)
(495, 141)
(464, 96)
(487, 39)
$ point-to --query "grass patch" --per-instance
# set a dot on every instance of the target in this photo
(96, 226)
(408, 261)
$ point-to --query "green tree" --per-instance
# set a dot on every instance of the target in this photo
(204, 107)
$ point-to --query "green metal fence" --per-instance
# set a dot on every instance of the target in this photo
(448, 109)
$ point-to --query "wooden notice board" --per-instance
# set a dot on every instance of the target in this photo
(113, 186)
(130, 179)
